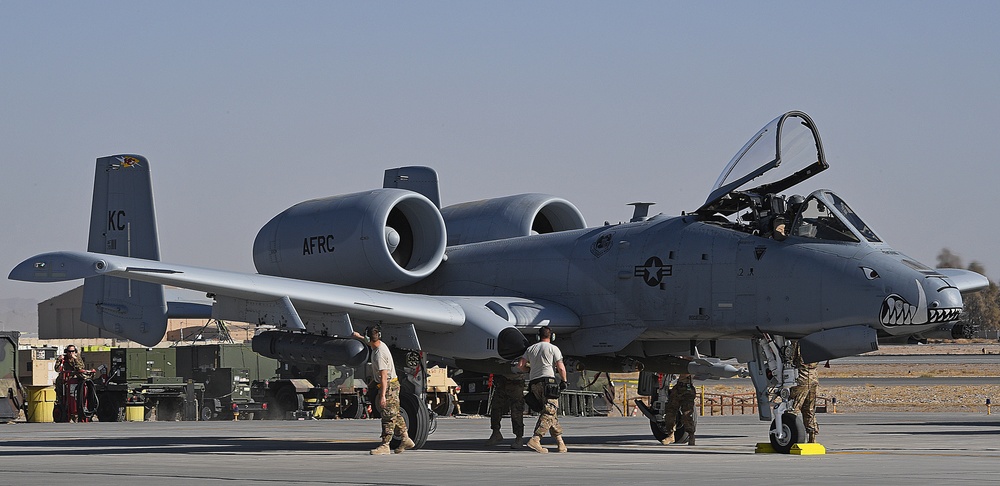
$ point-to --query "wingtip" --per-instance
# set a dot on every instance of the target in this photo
(57, 267)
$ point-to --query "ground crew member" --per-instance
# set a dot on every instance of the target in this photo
(803, 394)
(72, 373)
(71, 363)
(508, 396)
(543, 359)
(454, 400)
(384, 371)
(681, 399)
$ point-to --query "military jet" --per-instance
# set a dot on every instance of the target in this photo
(738, 277)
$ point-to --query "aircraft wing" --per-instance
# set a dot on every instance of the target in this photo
(432, 314)
(457, 322)
(966, 281)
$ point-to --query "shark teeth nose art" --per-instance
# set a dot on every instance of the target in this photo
(896, 311)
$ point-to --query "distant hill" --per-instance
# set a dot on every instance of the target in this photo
(19, 314)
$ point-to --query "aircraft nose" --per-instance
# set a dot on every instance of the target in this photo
(936, 302)
(945, 300)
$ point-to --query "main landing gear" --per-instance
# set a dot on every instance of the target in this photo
(420, 421)
(656, 386)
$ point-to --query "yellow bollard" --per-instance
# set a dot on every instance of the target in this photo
(988, 406)
(702, 411)
(41, 404)
(135, 411)
(625, 400)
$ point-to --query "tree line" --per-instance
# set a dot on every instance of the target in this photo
(982, 309)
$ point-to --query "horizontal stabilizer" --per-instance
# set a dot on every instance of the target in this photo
(131, 309)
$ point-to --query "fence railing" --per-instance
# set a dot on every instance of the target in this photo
(708, 403)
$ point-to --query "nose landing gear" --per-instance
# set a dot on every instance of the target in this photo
(773, 376)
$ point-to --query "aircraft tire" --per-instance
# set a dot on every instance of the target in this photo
(794, 429)
(417, 419)
(658, 432)
(680, 433)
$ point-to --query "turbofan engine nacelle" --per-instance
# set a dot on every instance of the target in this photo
(382, 239)
(510, 217)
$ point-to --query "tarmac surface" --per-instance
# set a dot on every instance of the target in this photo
(976, 359)
(862, 448)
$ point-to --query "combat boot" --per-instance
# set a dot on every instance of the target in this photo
(812, 437)
(495, 438)
(535, 443)
(518, 443)
(690, 439)
(669, 439)
(561, 444)
(381, 450)
(407, 443)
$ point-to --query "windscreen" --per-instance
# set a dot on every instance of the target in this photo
(853, 218)
(816, 220)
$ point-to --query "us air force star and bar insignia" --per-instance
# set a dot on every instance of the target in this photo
(602, 245)
(654, 271)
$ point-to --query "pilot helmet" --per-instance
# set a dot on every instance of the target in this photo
(794, 201)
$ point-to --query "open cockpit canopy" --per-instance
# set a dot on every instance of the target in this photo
(784, 153)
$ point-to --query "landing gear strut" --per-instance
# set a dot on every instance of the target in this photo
(773, 376)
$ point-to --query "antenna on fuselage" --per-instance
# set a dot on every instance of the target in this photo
(640, 212)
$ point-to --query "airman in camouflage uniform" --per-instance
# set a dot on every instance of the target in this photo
(803, 394)
(392, 419)
(508, 396)
(682, 396)
(384, 372)
(543, 359)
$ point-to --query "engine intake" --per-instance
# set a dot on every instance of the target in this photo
(510, 217)
(383, 239)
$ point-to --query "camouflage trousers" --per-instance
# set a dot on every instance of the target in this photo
(548, 421)
(508, 396)
(680, 401)
(803, 398)
(392, 419)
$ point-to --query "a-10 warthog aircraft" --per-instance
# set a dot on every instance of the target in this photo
(734, 278)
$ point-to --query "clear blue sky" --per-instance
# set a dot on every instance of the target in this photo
(245, 108)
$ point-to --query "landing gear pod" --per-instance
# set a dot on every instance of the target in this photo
(310, 348)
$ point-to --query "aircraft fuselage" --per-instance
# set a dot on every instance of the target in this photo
(682, 278)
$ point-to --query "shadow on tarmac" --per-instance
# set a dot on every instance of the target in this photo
(220, 444)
